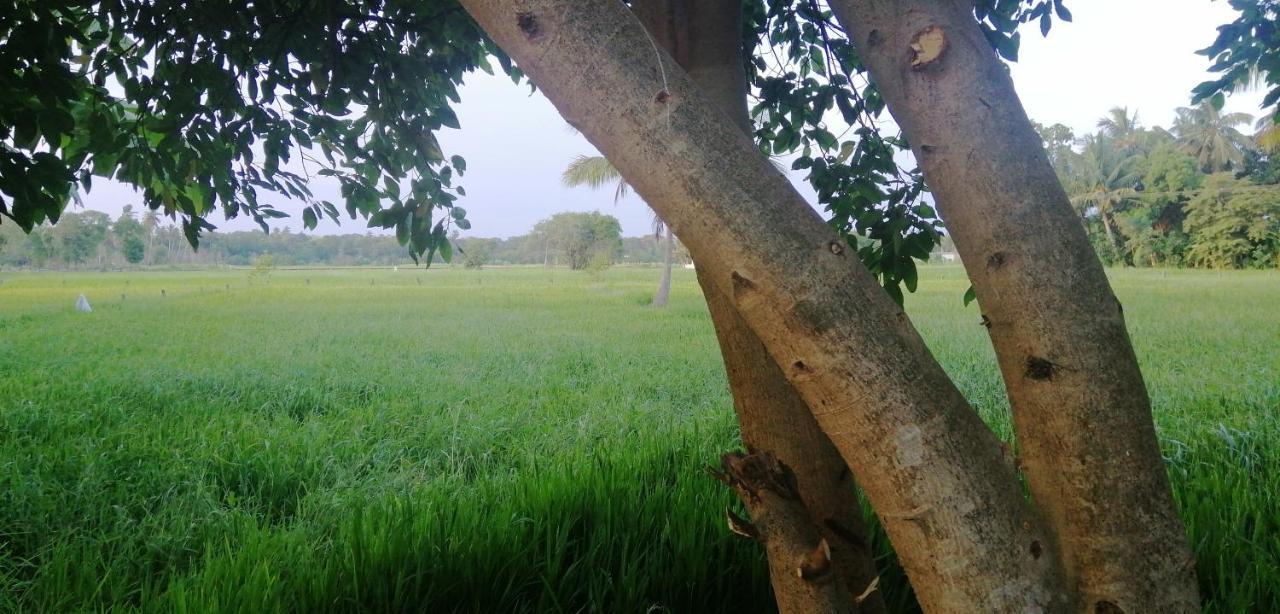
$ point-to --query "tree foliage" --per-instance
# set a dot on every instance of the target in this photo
(815, 100)
(1244, 53)
(1212, 137)
(203, 106)
(1232, 226)
(1146, 198)
(582, 239)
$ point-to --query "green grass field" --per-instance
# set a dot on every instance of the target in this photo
(497, 440)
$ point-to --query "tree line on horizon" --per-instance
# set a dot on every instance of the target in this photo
(1202, 194)
(92, 240)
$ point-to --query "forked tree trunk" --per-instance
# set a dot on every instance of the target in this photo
(664, 284)
(1083, 419)
(705, 36)
(936, 474)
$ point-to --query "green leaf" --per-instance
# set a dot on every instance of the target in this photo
(909, 274)
(969, 296)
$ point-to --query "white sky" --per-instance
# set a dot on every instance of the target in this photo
(1134, 53)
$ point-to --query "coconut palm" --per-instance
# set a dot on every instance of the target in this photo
(1267, 134)
(596, 172)
(1121, 126)
(1211, 136)
(1106, 183)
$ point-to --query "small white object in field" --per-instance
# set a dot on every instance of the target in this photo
(395, 268)
(82, 304)
(689, 266)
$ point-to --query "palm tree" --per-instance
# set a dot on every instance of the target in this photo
(1106, 184)
(1267, 134)
(1212, 136)
(1121, 126)
(595, 172)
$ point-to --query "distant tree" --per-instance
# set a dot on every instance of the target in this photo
(1212, 137)
(1058, 141)
(476, 252)
(150, 222)
(582, 237)
(1122, 126)
(133, 249)
(1260, 167)
(596, 172)
(1233, 225)
(79, 235)
(128, 234)
(262, 267)
(1106, 184)
(1266, 134)
(1170, 169)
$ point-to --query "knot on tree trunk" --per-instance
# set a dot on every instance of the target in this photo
(752, 474)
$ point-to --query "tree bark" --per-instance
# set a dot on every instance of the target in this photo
(800, 560)
(1083, 418)
(936, 474)
(664, 285)
(1108, 225)
(705, 37)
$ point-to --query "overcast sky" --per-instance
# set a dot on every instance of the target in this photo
(1134, 53)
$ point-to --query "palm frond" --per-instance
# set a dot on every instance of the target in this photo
(591, 171)
(594, 172)
(659, 227)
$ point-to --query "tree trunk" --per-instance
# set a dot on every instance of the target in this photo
(936, 474)
(1083, 419)
(1109, 225)
(664, 285)
(705, 37)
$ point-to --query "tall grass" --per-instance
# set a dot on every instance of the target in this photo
(496, 440)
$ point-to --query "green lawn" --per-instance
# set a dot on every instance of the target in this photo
(496, 440)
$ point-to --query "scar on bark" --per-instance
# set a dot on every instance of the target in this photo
(528, 24)
(996, 260)
(927, 46)
(817, 567)
(1106, 607)
(750, 474)
(1036, 550)
(741, 526)
(741, 285)
(800, 370)
(1040, 369)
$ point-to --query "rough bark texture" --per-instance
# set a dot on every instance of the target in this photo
(1083, 419)
(935, 473)
(800, 560)
(664, 285)
(705, 37)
